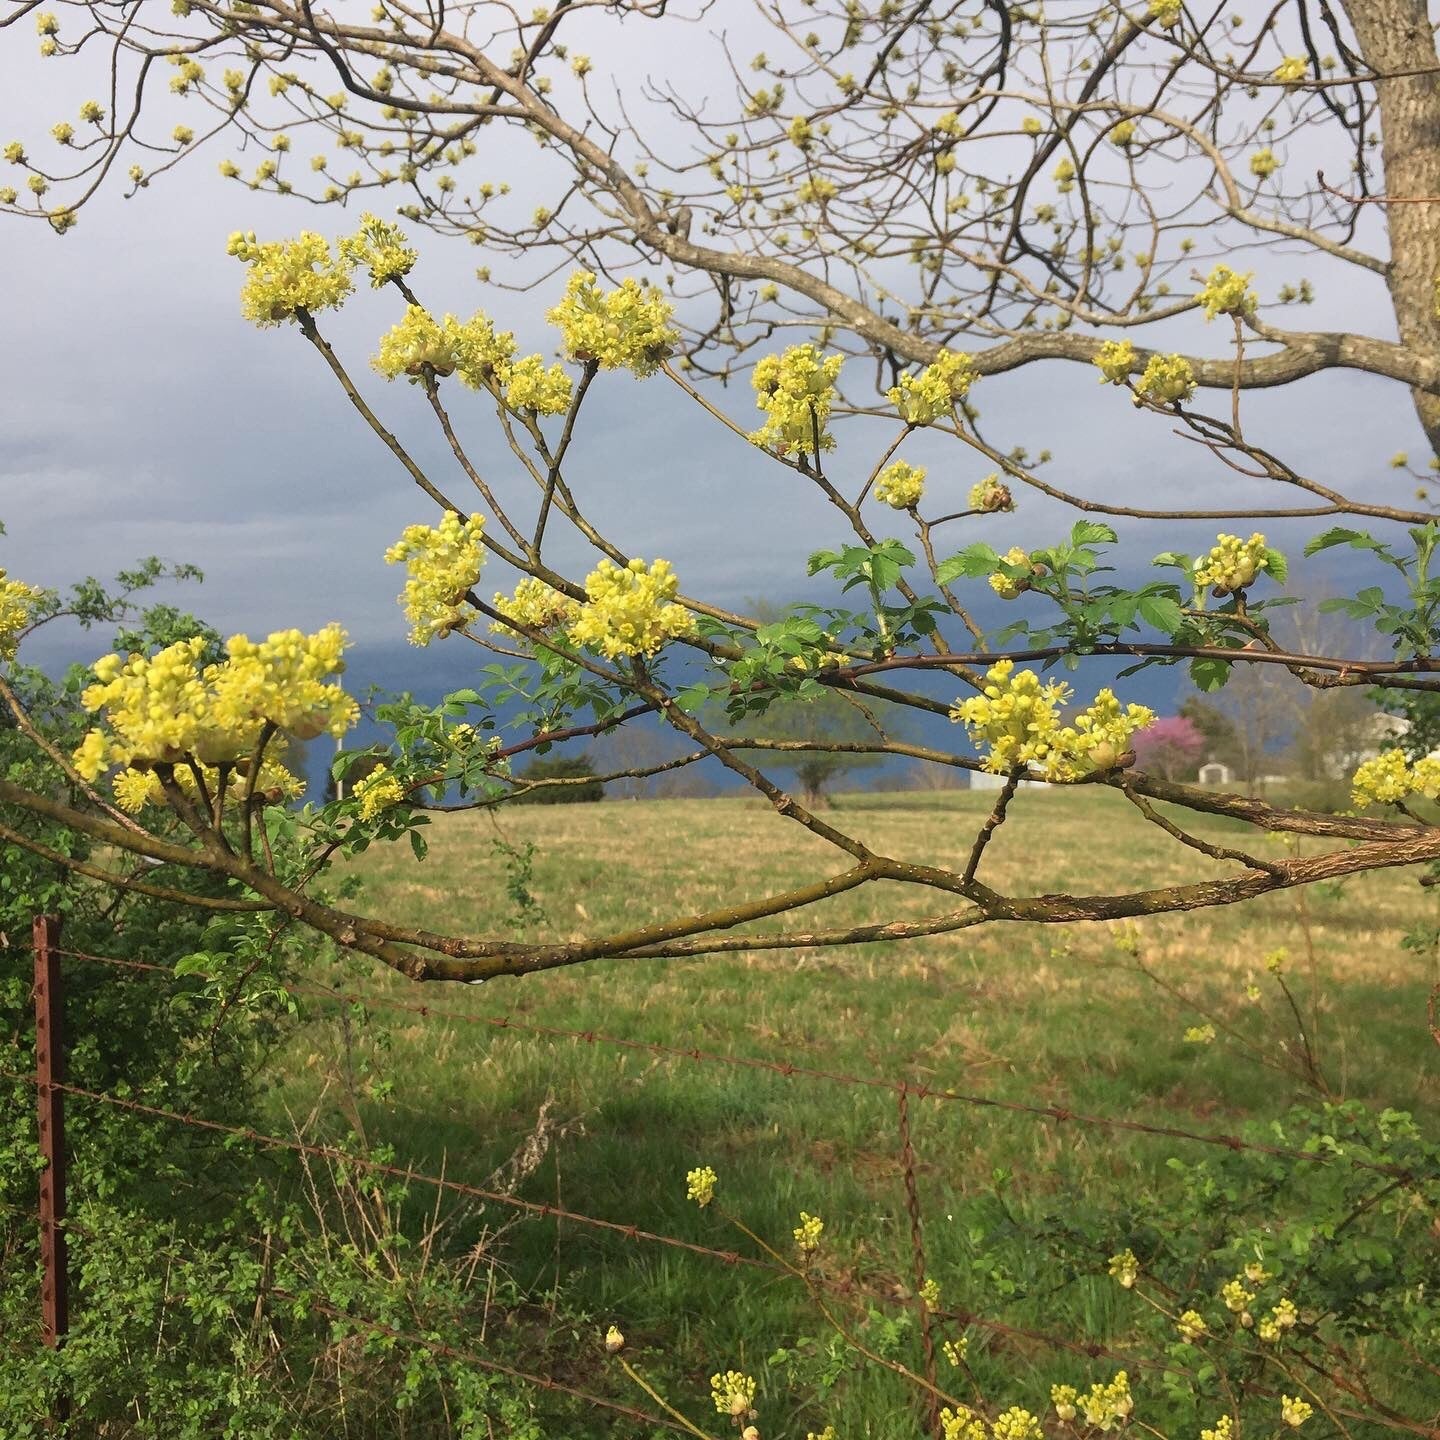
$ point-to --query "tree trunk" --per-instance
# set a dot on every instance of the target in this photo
(1395, 36)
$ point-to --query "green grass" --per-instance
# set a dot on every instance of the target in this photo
(1039, 1014)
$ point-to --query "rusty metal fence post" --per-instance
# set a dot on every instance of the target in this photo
(49, 1073)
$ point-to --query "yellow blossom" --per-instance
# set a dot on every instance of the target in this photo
(1200, 1035)
(289, 275)
(442, 563)
(807, 1233)
(1167, 379)
(536, 604)
(700, 1185)
(733, 1394)
(1227, 293)
(1124, 1268)
(900, 485)
(796, 391)
(1291, 69)
(626, 329)
(1191, 1326)
(955, 1350)
(1232, 563)
(1012, 587)
(530, 386)
(931, 395)
(1122, 134)
(1165, 12)
(1064, 1398)
(379, 246)
(1108, 1405)
(630, 611)
(1385, 779)
(1294, 1411)
(961, 1424)
(1224, 1430)
(1264, 163)
(377, 792)
(991, 495)
(1115, 359)
(165, 708)
(1016, 1424)
(17, 604)
(1236, 1296)
(63, 133)
(1017, 718)
(614, 1341)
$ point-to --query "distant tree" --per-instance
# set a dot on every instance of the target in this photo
(829, 720)
(563, 767)
(1172, 747)
(1216, 728)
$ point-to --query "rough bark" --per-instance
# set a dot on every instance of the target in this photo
(1395, 37)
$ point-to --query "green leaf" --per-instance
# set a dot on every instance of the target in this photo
(972, 561)
(1209, 675)
(1163, 613)
(1091, 532)
(1276, 565)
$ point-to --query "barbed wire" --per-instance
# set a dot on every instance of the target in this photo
(788, 1069)
(903, 1089)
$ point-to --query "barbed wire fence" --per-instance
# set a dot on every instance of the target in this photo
(53, 1089)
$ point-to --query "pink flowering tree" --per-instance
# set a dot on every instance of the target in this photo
(1173, 746)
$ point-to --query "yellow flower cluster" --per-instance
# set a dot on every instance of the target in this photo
(164, 708)
(931, 395)
(1122, 134)
(1115, 359)
(961, 1424)
(289, 275)
(442, 563)
(628, 329)
(807, 1233)
(700, 1185)
(1167, 379)
(614, 1340)
(733, 1394)
(536, 604)
(17, 602)
(380, 247)
(1124, 1269)
(1280, 1319)
(1388, 778)
(1224, 1430)
(630, 611)
(1016, 1424)
(483, 357)
(1165, 12)
(1291, 69)
(1017, 719)
(1227, 293)
(530, 386)
(1109, 1405)
(1236, 1297)
(377, 792)
(1264, 163)
(991, 495)
(1191, 1326)
(900, 485)
(955, 1350)
(1294, 1411)
(796, 391)
(1011, 587)
(417, 341)
(135, 789)
(1232, 563)
(1200, 1035)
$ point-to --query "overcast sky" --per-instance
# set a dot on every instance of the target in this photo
(143, 415)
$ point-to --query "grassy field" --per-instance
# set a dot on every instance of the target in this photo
(1042, 1015)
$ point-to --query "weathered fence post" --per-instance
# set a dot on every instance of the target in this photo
(49, 1073)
